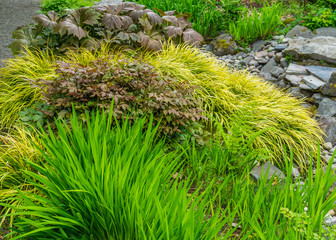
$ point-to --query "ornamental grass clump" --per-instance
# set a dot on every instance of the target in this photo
(101, 181)
(281, 118)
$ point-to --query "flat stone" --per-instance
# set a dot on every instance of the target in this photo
(299, 31)
(313, 82)
(259, 171)
(280, 47)
(328, 126)
(295, 91)
(269, 66)
(246, 60)
(318, 48)
(261, 60)
(259, 45)
(295, 80)
(329, 88)
(329, 220)
(326, 31)
(318, 97)
(253, 63)
(305, 87)
(327, 108)
(328, 145)
(323, 73)
(296, 69)
(277, 71)
(283, 62)
(261, 54)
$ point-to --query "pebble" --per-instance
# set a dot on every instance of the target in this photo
(328, 145)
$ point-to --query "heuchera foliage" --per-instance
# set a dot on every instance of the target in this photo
(126, 24)
(134, 87)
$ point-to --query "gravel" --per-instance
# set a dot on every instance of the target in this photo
(14, 14)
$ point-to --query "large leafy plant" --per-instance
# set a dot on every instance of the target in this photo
(134, 87)
(124, 24)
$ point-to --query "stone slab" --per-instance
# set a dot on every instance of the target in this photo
(313, 82)
(323, 73)
(295, 69)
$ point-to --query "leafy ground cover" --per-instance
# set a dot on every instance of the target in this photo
(138, 135)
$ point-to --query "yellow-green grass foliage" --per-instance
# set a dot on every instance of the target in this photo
(283, 121)
(16, 91)
(226, 94)
(15, 149)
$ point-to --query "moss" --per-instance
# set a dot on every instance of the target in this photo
(223, 44)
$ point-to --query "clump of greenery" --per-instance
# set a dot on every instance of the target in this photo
(320, 17)
(60, 5)
(134, 87)
(284, 123)
(207, 17)
(127, 24)
(258, 24)
(118, 178)
(15, 149)
(16, 90)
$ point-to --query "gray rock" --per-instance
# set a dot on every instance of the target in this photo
(327, 108)
(259, 171)
(318, 48)
(209, 48)
(268, 68)
(313, 82)
(261, 54)
(295, 172)
(299, 31)
(261, 60)
(326, 31)
(295, 80)
(327, 145)
(246, 60)
(277, 71)
(328, 126)
(330, 87)
(281, 84)
(295, 69)
(224, 44)
(285, 40)
(277, 57)
(303, 86)
(283, 62)
(268, 77)
(295, 91)
(259, 45)
(329, 220)
(253, 63)
(317, 98)
(323, 73)
(280, 47)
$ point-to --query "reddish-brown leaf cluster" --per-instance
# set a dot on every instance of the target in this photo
(134, 86)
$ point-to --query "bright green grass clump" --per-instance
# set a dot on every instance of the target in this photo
(280, 118)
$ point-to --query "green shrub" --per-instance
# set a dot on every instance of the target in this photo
(257, 25)
(207, 17)
(104, 182)
(320, 17)
(127, 24)
(60, 5)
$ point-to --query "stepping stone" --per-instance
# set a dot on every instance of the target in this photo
(313, 82)
(295, 69)
(294, 79)
(323, 73)
(259, 171)
(327, 108)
